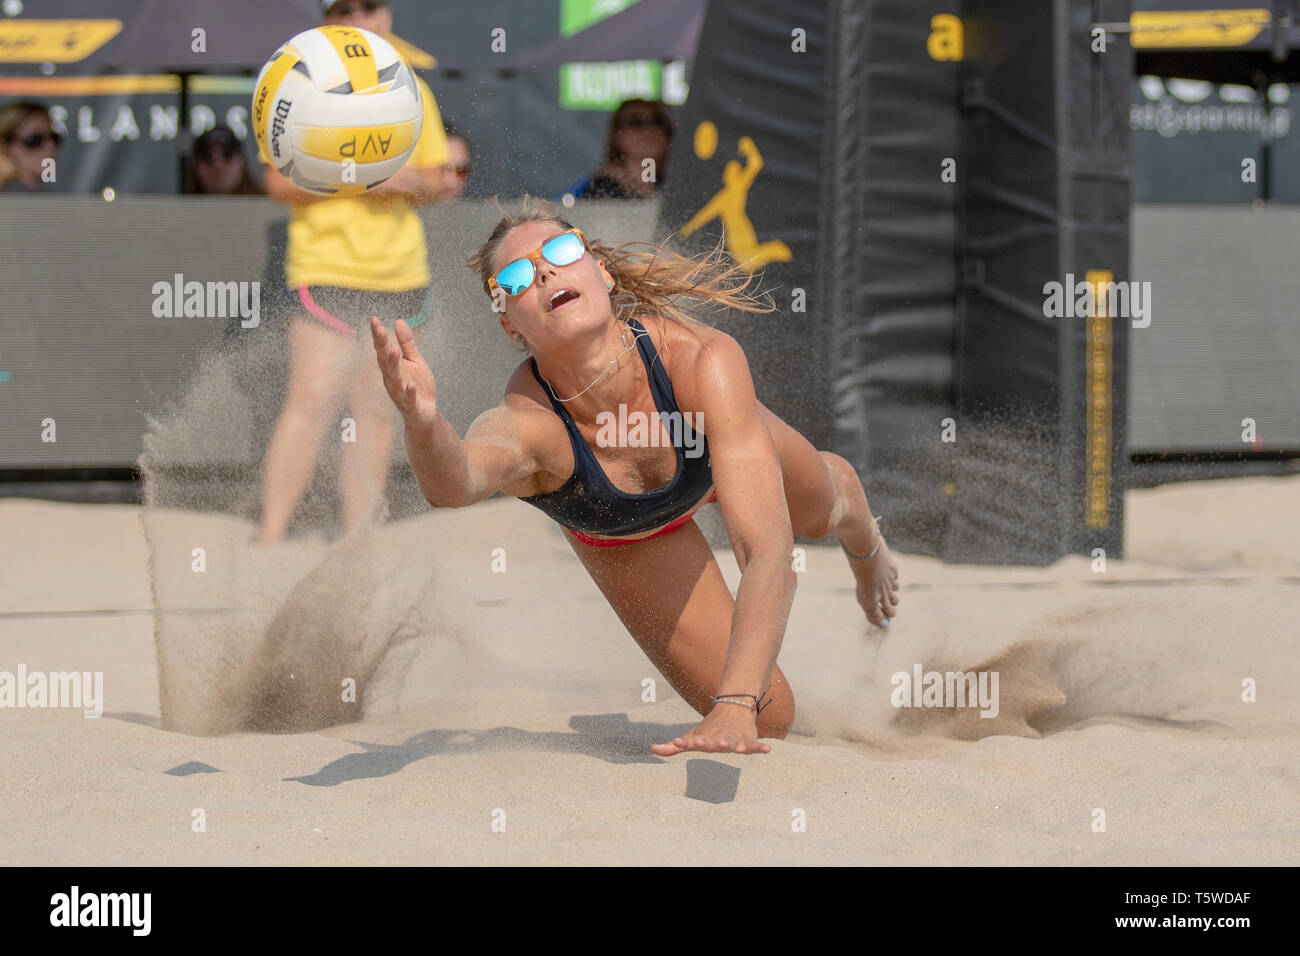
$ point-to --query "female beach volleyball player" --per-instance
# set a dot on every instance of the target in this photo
(605, 330)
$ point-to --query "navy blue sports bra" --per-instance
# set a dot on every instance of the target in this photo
(589, 502)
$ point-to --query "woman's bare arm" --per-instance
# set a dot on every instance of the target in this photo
(496, 452)
(747, 477)
(418, 187)
(493, 456)
(283, 189)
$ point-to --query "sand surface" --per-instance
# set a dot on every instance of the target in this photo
(517, 697)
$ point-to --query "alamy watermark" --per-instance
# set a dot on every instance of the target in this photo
(75, 908)
(208, 300)
(635, 430)
(1087, 299)
(946, 689)
(55, 689)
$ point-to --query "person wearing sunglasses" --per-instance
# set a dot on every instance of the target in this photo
(218, 167)
(347, 258)
(610, 334)
(456, 172)
(638, 130)
(27, 140)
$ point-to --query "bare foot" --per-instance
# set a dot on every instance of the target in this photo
(877, 585)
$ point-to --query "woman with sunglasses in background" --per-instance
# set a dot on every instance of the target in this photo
(219, 167)
(639, 130)
(607, 328)
(27, 140)
(456, 172)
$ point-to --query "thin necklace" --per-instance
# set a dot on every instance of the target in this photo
(626, 348)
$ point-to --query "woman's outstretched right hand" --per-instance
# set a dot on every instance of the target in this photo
(407, 377)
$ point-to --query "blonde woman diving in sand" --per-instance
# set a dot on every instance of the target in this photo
(608, 335)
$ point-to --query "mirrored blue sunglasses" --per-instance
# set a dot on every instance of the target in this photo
(563, 250)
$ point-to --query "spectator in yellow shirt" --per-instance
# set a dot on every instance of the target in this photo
(348, 258)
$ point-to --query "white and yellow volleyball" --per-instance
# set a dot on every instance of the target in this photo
(336, 110)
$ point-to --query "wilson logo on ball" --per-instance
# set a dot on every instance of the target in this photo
(282, 108)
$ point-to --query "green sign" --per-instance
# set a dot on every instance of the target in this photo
(602, 86)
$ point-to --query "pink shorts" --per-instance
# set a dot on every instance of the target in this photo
(348, 311)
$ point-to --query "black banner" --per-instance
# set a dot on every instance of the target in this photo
(746, 165)
(1041, 375)
(910, 175)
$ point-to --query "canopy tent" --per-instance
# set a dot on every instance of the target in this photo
(1249, 44)
(156, 35)
(648, 30)
(1218, 42)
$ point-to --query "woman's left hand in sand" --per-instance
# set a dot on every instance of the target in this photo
(729, 728)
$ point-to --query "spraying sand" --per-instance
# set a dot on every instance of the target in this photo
(486, 695)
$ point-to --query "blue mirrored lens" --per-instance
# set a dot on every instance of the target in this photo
(516, 277)
(563, 250)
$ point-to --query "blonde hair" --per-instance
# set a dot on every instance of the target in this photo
(648, 279)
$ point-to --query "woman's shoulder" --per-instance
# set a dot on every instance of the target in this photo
(535, 422)
(526, 398)
(523, 391)
(690, 353)
(690, 341)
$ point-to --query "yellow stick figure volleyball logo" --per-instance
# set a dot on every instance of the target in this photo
(728, 204)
